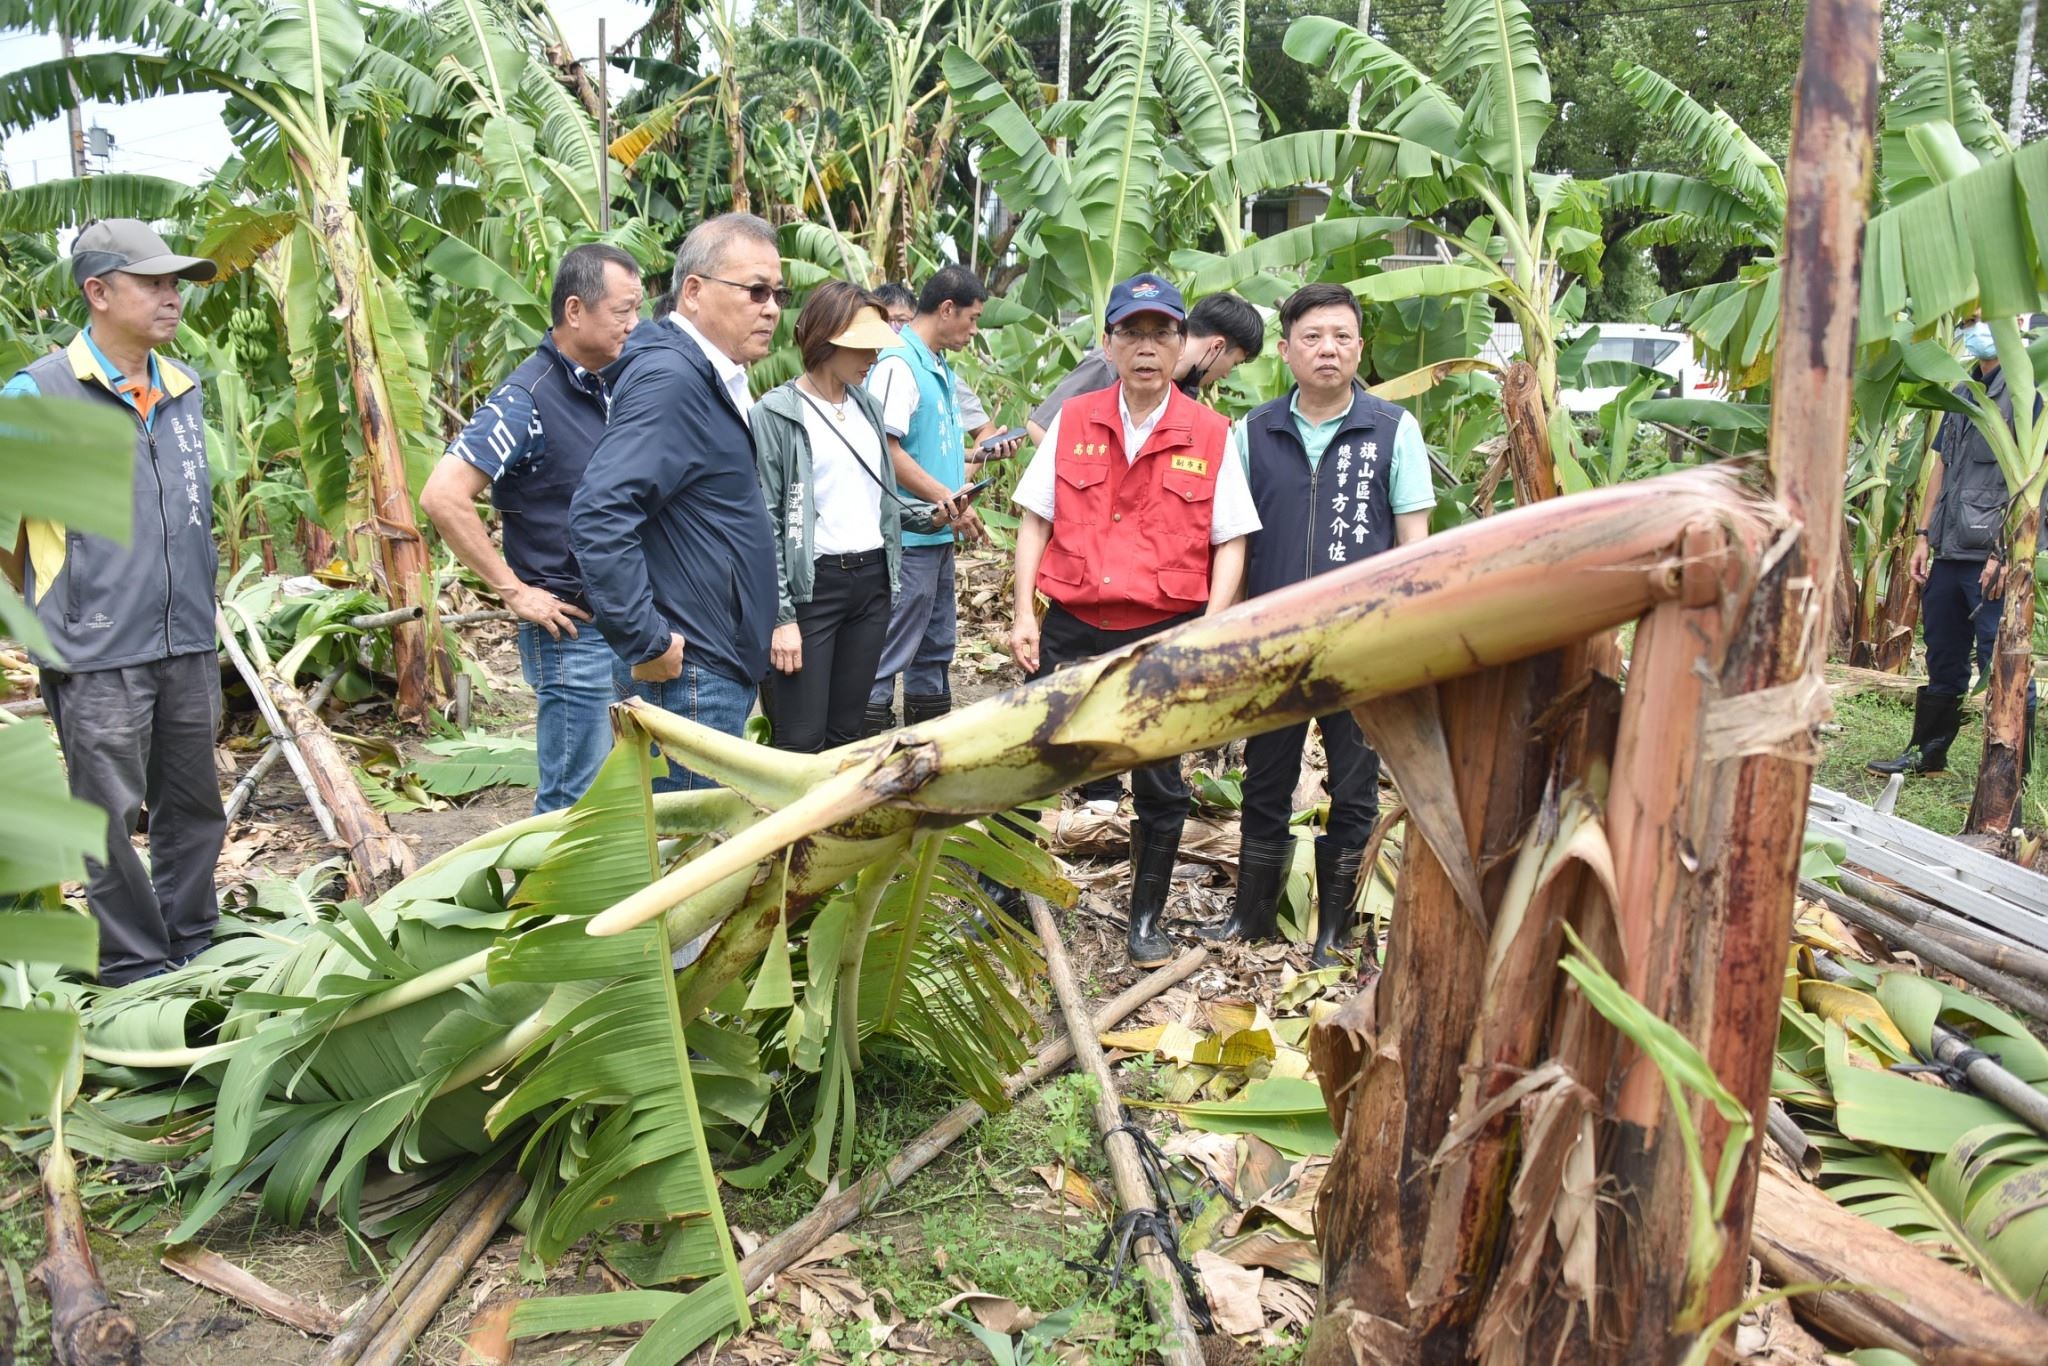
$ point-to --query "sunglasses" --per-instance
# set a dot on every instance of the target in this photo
(758, 294)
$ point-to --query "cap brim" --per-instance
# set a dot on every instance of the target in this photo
(1135, 309)
(184, 267)
(867, 333)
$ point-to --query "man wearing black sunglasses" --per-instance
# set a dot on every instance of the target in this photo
(677, 551)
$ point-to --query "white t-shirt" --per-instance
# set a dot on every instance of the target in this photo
(895, 388)
(1231, 515)
(847, 498)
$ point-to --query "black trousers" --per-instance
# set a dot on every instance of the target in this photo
(135, 736)
(821, 705)
(1955, 615)
(1159, 794)
(1272, 767)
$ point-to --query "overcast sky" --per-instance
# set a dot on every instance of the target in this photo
(181, 137)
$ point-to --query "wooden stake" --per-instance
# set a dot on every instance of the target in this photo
(444, 1274)
(837, 1211)
(1169, 1302)
(378, 857)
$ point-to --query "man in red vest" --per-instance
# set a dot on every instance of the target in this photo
(1135, 513)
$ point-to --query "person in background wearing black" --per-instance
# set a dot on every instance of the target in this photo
(832, 496)
(1956, 563)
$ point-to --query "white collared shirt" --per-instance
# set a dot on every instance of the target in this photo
(730, 372)
(1233, 514)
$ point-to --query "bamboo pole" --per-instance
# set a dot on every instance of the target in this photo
(377, 1310)
(444, 1274)
(396, 616)
(2013, 992)
(1984, 1073)
(1884, 1292)
(1180, 1346)
(267, 705)
(246, 786)
(1931, 920)
(483, 614)
(378, 858)
(837, 1211)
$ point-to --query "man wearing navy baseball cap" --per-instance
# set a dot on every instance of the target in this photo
(1134, 521)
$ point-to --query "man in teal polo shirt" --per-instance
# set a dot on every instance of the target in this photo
(927, 444)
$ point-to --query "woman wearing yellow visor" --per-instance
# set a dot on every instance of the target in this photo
(838, 519)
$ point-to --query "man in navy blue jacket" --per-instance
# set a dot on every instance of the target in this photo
(669, 525)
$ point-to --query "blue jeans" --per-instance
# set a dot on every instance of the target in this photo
(572, 678)
(709, 699)
(920, 641)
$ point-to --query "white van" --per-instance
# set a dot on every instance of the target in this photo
(1668, 350)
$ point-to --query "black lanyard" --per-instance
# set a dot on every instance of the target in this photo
(847, 442)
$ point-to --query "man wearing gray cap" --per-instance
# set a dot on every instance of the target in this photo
(133, 682)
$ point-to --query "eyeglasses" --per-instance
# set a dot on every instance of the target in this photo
(758, 294)
(1153, 336)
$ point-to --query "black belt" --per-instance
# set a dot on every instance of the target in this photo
(860, 559)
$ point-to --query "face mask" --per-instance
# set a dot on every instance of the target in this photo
(1977, 340)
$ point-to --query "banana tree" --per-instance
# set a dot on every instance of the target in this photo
(1960, 243)
(1533, 231)
(1164, 112)
(325, 95)
(893, 121)
(1735, 198)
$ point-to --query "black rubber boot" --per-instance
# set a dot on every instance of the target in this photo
(1336, 889)
(1936, 719)
(1261, 872)
(925, 706)
(2027, 740)
(1153, 851)
(880, 720)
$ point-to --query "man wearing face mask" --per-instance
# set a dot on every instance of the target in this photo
(1956, 562)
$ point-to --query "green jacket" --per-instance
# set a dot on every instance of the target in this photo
(782, 448)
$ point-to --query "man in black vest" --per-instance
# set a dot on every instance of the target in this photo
(1338, 476)
(528, 444)
(1956, 562)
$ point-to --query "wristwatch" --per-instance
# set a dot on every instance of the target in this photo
(1920, 531)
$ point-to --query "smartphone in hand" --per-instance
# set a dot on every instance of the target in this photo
(999, 440)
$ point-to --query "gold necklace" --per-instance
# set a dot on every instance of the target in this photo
(838, 409)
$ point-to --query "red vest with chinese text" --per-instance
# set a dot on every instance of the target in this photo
(1130, 539)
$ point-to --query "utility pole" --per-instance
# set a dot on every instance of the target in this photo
(72, 119)
(1066, 64)
(604, 136)
(1364, 18)
(2022, 69)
